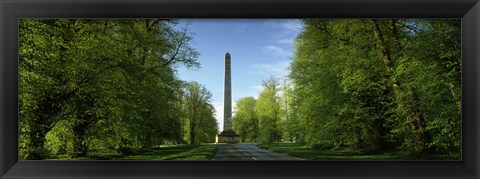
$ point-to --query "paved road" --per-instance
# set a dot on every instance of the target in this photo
(248, 152)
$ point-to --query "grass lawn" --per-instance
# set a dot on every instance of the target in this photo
(316, 154)
(178, 152)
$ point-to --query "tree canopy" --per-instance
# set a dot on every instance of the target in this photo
(88, 85)
(367, 84)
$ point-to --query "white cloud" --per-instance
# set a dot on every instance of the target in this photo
(256, 89)
(279, 69)
(285, 30)
(241, 28)
(292, 25)
(286, 40)
(276, 51)
(251, 91)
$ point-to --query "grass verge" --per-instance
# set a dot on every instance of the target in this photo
(309, 153)
(178, 152)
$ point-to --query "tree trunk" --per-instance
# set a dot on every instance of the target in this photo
(394, 33)
(82, 124)
(80, 148)
(412, 114)
(192, 130)
(37, 139)
(47, 111)
(386, 57)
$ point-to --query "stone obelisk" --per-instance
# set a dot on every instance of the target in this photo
(227, 135)
(227, 97)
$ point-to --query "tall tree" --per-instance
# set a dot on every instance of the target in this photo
(100, 83)
(208, 127)
(268, 111)
(198, 110)
(291, 124)
(245, 121)
(378, 84)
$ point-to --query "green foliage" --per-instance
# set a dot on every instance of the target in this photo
(200, 122)
(109, 85)
(290, 122)
(268, 110)
(378, 85)
(245, 121)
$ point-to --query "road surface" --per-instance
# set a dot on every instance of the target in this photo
(248, 152)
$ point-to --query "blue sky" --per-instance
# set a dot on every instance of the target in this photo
(259, 48)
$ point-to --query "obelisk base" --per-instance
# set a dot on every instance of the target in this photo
(227, 136)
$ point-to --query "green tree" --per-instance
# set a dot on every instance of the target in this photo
(201, 122)
(291, 125)
(101, 84)
(46, 83)
(268, 110)
(245, 121)
(378, 84)
(208, 126)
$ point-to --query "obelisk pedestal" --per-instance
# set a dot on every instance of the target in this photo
(227, 135)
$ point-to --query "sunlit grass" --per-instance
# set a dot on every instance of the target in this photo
(178, 152)
(309, 153)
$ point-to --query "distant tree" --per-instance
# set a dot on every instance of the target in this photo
(208, 126)
(245, 121)
(199, 113)
(290, 123)
(268, 110)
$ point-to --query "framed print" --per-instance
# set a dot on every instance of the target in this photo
(239, 89)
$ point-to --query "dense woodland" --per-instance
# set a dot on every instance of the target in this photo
(107, 85)
(364, 84)
(378, 85)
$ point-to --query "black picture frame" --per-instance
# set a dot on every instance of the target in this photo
(12, 10)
